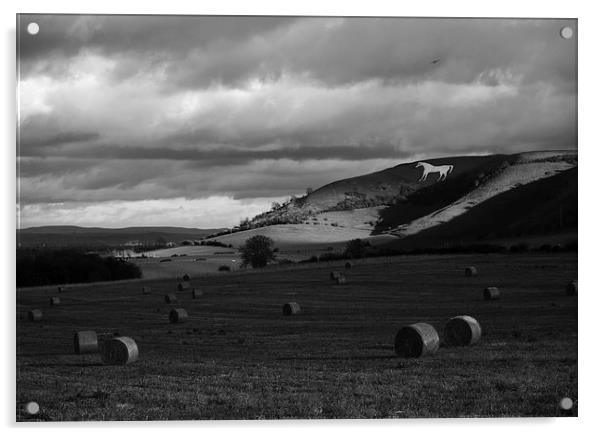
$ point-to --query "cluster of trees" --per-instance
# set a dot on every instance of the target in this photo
(290, 212)
(258, 251)
(215, 244)
(358, 200)
(38, 267)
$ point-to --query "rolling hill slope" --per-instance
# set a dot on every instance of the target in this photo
(393, 203)
(301, 236)
(484, 186)
(543, 207)
(382, 186)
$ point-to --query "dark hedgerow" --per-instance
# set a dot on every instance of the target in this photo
(38, 267)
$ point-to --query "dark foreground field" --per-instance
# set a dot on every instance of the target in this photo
(237, 357)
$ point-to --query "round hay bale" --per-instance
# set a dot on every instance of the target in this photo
(171, 298)
(197, 293)
(291, 308)
(334, 275)
(416, 340)
(347, 265)
(571, 288)
(184, 286)
(470, 271)
(566, 404)
(146, 290)
(186, 277)
(341, 280)
(178, 315)
(31, 408)
(34, 315)
(119, 351)
(55, 301)
(491, 293)
(461, 331)
(85, 342)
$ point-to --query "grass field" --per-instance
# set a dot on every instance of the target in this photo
(193, 260)
(237, 357)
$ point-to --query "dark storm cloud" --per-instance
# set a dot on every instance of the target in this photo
(350, 50)
(199, 51)
(34, 142)
(101, 180)
(122, 108)
(63, 36)
(50, 166)
(230, 156)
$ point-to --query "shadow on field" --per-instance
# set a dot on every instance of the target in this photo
(62, 365)
(392, 356)
(49, 353)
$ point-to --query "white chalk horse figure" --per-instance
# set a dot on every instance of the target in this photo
(443, 170)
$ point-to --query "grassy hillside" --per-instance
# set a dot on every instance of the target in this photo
(237, 357)
(486, 186)
(432, 197)
(299, 236)
(394, 202)
(545, 206)
(368, 191)
(382, 186)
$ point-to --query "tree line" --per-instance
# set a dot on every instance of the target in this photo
(39, 267)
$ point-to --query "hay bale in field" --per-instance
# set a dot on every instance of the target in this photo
(171, 298)
(416, 340)
(184, 286)
(347, 265)
(178, 315)
(334, 275)
(461, 331)
(291, 308)
(470, 271)
(197, 293)
(34, 315)
(491, 293)
(85, 342)
(119, 351)
(146, 290)
(341, 280)
(571, 287)
(55, 301)
(186, 277)
(31, 408)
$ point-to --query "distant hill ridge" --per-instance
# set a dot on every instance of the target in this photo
(78, 229)
(71, 236)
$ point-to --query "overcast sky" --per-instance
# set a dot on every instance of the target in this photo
(201, 121)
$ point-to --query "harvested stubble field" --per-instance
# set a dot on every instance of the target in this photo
(237, 357)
